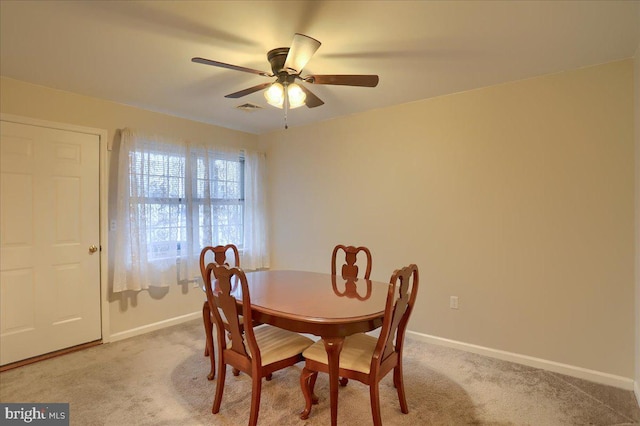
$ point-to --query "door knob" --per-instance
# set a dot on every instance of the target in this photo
(93, 249)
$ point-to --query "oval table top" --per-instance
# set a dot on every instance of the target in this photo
(311, 302)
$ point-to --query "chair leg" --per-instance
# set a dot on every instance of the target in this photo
(256, 390)
(398, 382)
(374, 395)
(208, 334)
(207, 323)
(312, 385)
(306, 377)
(222, 372)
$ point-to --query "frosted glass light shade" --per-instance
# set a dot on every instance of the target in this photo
(296, 96)
(275, 95)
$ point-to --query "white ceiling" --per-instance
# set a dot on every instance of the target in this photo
(139, 52)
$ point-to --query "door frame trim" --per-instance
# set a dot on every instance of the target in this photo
(103, 209)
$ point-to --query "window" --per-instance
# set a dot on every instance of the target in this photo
(219, 196)
(174, 199)
(160, 180)
(215, 202)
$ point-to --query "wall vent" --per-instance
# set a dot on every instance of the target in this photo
(249, 107)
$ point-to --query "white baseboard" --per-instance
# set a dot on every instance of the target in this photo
(153, 327)
(556, 367)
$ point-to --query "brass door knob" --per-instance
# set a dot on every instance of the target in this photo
(93, 249)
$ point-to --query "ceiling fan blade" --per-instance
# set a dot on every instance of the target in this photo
(302, 49)
(229, 66)
(312, 100)
(344, 80)
(248, 91)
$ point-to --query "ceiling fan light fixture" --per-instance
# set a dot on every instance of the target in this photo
(275, 95)
(287, 64)
(296, 96)
(276, 92)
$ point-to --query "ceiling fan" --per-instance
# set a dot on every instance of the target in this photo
(287, 64)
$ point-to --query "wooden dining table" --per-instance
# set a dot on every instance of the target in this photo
(325, 305)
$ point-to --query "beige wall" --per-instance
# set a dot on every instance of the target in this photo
(129, 310)
(517, 198)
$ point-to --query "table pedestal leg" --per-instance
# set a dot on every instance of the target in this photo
(333, 346)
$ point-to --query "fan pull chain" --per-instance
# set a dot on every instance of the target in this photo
(286, 106)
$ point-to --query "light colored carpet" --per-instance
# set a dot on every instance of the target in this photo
(160, 379)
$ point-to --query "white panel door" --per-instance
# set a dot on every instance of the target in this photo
(49, 219)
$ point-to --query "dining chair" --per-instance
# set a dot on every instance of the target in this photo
(219, 255)
(350, 267)
(366, 358)
(257, 351)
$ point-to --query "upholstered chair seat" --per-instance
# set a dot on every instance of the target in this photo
(277, 344)
(356, 353)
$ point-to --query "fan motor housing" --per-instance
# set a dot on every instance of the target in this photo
(277, 58)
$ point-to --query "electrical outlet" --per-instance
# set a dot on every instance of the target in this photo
(112, 225)
(453, 302)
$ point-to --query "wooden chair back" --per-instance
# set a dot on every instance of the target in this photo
(401, 297)
(244, 347)
(350, 267)
(220, 253)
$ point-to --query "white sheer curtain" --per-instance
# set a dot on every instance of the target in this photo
(175, 198)
(255, 251)
(134, 265)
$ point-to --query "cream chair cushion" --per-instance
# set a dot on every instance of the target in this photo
(277, 344)
(356, 353)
